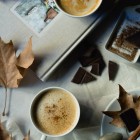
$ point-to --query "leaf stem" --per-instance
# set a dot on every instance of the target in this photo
(3, 114)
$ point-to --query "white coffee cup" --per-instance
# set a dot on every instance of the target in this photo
(78, 8)
(53, 108)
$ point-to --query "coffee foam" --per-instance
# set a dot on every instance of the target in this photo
(78, 7)
(55, 112)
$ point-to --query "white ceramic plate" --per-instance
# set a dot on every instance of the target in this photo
(106, 127)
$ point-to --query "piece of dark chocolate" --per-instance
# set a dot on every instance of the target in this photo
(92, 55)
(78, 76)
(89, 52)
(82, 76)
(95, 69)
(134, 40)
(85, 61)
(98, 66)
(112, 70)
(130, 119)
(87, 78)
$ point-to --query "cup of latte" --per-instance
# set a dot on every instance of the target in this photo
(55, 112)
(78, 8)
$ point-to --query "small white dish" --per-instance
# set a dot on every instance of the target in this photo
(108, 128)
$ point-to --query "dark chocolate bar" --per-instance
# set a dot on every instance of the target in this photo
(91, 56)
(112, 70)
(130, 119)
(98, 67)
(95, 69)
(78, 76)
(87, 78)
(82, 76)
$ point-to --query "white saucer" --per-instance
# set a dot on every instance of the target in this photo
(108, 128)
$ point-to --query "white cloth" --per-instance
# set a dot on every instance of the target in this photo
(93, 97)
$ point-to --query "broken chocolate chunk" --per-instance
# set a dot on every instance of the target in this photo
(88, 78)
(130, 119)
(78, 76)
(134, 40)
(112, 70)
(95, 69)
(98, 67)
(82, 76)
(85, 61)
(92, 55)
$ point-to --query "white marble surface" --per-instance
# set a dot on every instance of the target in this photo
(93, 97)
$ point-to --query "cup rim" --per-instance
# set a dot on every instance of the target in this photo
(41, 92)
(92, 11)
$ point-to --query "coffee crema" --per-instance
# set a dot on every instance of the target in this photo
(78, 7)
(55, 112)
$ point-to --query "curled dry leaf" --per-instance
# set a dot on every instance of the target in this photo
(26, 58)
(8, 69)
(10, 64)
(4, 135)
(126, 101)
(12, 69)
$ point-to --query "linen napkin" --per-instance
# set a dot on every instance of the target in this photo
(13, 129)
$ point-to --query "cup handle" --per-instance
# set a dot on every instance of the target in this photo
(43, 137)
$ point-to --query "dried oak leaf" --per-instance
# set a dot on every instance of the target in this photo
(26, 57)
(126, 101)
(4, 135)
(10, 65)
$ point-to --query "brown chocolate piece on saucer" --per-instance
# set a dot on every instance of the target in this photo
(91, 56)
(134, 40)
(112, 70)
(82, 76)
(130, 119)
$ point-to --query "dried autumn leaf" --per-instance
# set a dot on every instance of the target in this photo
(10, 65)
(126, 101)
(4, 135)
(8, 69)
(26, 58)
(12, 68)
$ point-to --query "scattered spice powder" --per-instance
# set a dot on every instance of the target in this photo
(122, 47)
(52, 110)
